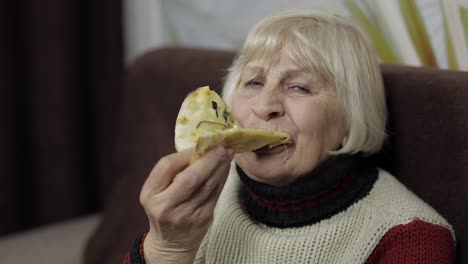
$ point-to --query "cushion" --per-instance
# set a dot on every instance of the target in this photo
(55, 243)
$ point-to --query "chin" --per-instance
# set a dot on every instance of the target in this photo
(269, 169)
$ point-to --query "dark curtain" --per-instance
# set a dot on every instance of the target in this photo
(61, 69)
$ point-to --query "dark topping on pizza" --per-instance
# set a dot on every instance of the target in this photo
(214, 105)
(226, 116)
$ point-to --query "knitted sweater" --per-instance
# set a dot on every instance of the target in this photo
(347, 212)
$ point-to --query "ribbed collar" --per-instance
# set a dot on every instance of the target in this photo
(327, 190)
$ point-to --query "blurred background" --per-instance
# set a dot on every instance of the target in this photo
(62, 67)
(60, 77)
(429, 33)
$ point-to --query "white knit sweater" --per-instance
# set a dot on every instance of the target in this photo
(347, 237)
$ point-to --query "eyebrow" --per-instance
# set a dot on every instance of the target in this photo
(284, 73)
(253, 69)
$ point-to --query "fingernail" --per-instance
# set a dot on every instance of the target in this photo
(220, 151)
(230, 153)
(225, 153)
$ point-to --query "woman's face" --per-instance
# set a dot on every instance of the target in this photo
(282, 97)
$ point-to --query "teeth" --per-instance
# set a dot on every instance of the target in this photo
(274, 145)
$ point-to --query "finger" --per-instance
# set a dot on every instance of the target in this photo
(189, 180)
(206, 211)
(164, 172)
(210, 203)
(199, 208)
(211, 186)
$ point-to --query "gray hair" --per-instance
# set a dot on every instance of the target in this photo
(335, 49)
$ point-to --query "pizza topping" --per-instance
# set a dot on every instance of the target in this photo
(182, 120)
(214, 105)
(206, 125)
(226, 115)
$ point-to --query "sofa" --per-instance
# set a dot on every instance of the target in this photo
(427, 149)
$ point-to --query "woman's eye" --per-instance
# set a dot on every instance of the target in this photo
(254, 83)
(300, 88)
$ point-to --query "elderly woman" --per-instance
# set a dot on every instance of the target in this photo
(316, 200)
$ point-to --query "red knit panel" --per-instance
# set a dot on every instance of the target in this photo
(127, 259)
(415, 242)
(311, 201)
(130, 258)
(142, 254)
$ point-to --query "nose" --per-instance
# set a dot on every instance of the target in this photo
(268, 105)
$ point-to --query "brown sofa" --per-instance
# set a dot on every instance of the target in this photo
(427, 148)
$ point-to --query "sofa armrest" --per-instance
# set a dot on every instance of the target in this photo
(58, 243)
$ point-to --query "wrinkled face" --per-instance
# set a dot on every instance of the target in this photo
(283, 97)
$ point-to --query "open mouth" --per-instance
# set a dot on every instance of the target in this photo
(273, 150)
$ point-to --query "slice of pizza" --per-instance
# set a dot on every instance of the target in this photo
(205, 121)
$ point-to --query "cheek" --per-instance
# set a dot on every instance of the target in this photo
(314, 122)
(333, 129)
(336, 120)
(240, 109)
(306, 118)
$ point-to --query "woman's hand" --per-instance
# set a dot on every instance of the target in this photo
(179, 199)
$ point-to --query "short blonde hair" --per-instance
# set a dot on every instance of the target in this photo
(335, 49)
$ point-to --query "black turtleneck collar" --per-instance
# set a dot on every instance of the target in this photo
(327, 190)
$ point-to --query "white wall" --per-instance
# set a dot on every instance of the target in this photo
(221, 24)
(144, 27)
